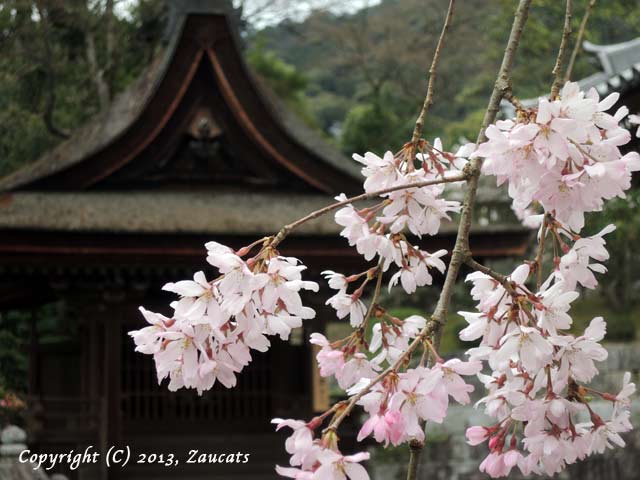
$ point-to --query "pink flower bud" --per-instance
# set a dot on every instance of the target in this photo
(476, 435)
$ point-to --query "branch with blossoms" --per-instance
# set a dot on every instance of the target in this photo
(560, 161)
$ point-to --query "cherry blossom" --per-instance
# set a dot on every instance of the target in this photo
(575, 266)
(329, 360)
(215, 324)
(379, 230)
(386, 426)
(334, 466)
(346, 304)
(317, 459)
(565, 155)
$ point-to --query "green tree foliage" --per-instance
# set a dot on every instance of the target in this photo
(621, 288)
(369, 128)
(67, 61)
(284, 79)
(349, 60)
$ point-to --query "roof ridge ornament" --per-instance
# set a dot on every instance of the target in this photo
(201, 6)
(179, 10)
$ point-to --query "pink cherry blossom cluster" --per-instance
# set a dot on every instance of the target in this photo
(378, 230)
(395, 406)
(318, 459)
(563, 155)
(398, 405)
(346, 359)
(215, 324)
(537, 390)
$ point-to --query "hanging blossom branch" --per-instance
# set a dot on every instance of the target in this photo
(461, 250)
(562, 158)
(579, 38)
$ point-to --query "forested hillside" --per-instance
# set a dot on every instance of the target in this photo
(366, 72)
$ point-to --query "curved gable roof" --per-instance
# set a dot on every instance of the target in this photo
(204, 43)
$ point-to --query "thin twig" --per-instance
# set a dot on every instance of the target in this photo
(566, 33)
(433, 73)
(281, 235)
(461, 248)
(577, 47)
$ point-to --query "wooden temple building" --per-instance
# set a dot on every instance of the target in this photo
(196, 149)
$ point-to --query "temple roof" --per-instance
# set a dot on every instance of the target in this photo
(199, 82)
(203, 212)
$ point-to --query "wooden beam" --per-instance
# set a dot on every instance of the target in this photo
(319, 386)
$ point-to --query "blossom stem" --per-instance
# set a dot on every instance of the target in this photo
(335, 423)
(582, 150)
(287, 229)
(376, 295)
(513, 100)
(433, 73)
(498, 277)
(577, 46)
(245, 250)
(434, 353)
(566, 33)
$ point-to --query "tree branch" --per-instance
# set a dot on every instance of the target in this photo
(461, 248)
(577, 47)
(433, 73)
(97, 74)
(566, 33)
(376, 295)
(498, 277)
(110, 67)
(47, 63)
(282, 234)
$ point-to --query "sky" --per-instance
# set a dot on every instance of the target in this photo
(278, 10)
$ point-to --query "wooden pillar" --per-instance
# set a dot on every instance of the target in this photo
(112, 419)
(319, 386)
(34, 356)
(34, 386)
